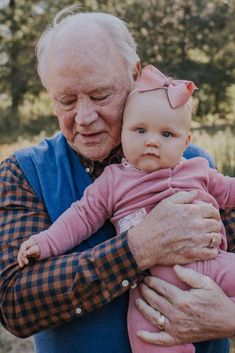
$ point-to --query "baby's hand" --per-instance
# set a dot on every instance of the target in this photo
(28, 248)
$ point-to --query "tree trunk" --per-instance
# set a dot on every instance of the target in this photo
(15, 92)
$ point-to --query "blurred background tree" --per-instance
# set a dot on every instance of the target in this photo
(18, 33)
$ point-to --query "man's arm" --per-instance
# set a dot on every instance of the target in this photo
(49, 292)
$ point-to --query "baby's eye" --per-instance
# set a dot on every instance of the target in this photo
(167, 134)
(140, 130)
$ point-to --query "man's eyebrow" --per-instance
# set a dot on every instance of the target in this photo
(63, 95)
(102, 89)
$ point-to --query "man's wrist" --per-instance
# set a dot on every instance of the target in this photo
(137, 249)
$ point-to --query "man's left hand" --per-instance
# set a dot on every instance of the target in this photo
(201, 313)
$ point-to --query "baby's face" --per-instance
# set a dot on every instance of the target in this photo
(154, 136)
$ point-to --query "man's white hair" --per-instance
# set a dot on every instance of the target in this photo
(115, 27)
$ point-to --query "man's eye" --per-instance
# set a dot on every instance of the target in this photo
(167, 134)
(67, 103)
(99, 98)
(140, 130)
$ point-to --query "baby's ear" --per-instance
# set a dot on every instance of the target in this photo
(137, 71)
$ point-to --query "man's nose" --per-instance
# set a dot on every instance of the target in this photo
(86, 113)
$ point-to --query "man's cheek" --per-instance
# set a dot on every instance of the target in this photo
(65, 124)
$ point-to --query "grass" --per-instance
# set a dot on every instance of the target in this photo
(6, 149)
(219, 141)
(12, 344)
(232, 349)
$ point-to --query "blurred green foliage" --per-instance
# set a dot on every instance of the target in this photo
(191, 39)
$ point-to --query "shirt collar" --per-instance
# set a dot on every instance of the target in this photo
(95, 168)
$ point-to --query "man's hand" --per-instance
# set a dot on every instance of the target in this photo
(203, 312)
(176, 231)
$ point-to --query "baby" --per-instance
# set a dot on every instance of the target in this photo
(155, 133)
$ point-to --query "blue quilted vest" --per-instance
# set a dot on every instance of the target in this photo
(58, 178)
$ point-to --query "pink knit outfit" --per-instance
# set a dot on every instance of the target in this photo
(125, 195)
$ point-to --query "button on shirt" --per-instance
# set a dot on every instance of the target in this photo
(125, 283)
(78, 311)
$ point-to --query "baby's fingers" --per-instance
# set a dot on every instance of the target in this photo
(29, 243)
(26, 245)
(22, 259)
(33, 251)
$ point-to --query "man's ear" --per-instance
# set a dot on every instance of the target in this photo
(137, 71)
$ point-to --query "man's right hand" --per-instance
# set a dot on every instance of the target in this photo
(176, 231)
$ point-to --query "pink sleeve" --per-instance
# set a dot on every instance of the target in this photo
(222, 188)
(81, 220)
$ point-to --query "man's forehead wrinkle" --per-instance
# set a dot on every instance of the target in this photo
(83, 58)
(66, 90)
(83, 47)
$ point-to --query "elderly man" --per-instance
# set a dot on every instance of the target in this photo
(77, 302)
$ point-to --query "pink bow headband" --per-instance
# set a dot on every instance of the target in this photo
(178, 91)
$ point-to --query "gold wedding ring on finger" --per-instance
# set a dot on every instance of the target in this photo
(161, 322)
(213, 242)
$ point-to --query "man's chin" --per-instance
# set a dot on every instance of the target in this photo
(97, 152)
(93, 153)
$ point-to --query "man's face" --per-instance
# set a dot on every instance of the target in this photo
(89, 85)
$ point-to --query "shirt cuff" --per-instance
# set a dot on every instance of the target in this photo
(114, 268)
